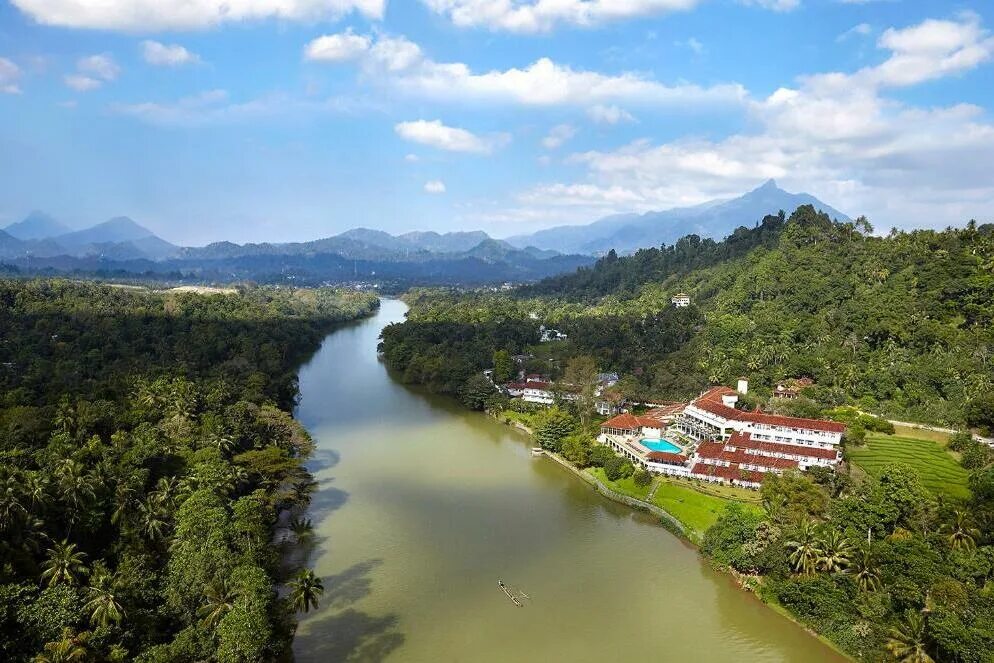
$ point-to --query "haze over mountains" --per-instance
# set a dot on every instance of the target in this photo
(626, 233)
(471, 257)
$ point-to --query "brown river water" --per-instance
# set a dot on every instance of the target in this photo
(423, 506)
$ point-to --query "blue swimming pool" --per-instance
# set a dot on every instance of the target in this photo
(660, 445)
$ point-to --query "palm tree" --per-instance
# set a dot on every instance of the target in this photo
(12, 509)
(75, 485)
(866, 573)
(64, 564)
(836, 552)
(71, 647)
(218, 600)
(961, 533)
(303, 530)
(153, 520)
(102, 604)
(804, 549)
(306, 589)
(907, 640)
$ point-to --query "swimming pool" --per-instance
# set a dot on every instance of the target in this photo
(660, 445)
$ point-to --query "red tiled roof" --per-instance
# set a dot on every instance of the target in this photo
(710, 401)
(745, 441)
(717, 451)
(664, 457)
(628, 421)
(665, 411)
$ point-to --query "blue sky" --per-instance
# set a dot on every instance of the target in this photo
(277, 120)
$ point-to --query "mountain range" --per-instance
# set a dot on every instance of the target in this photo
(626, 233)
(120, 245)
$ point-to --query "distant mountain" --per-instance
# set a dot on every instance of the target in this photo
(454, 242)
(119, 238)
(37, 225)
(627, 233)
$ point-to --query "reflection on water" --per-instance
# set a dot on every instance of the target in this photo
(422, 506)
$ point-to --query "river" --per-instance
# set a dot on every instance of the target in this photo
(422, 506)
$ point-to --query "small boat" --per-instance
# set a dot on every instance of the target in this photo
(503, 587)
(538, 451)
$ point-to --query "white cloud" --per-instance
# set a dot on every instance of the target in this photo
(167, 55)
(338, 47)
(214, 107)
(774, 5)
(453, 139)
(412, 158)
(10, 75)
(859, 30)
(92, 72)
(544, 15)
(609, 114)
(400, 63)
(693, 44)
(81, 83)
(834, 135)
(154, 15)
(435, 186)
(100, 66)
(558, 135)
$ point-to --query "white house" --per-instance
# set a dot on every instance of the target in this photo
(680, 300)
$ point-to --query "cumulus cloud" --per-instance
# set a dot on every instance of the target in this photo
(81, 83)
(92, 72)
(609, 114)
(558, 136)
(453, 139)
(167, 55)
(101, 66)
(435, 186)
(338, 47)
(153, 15)
(399, 62)
(836, 135)
(544, 15)
(10, 75)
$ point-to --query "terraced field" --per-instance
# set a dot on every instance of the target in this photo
(939, 470)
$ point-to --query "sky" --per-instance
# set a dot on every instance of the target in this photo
(289, 120)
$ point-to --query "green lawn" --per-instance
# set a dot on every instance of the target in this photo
(939, 470)
(693, 508)
(623, 486)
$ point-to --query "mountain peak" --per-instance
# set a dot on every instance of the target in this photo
(36, 225)
(768, 185)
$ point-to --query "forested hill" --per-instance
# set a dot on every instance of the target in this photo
(147, 452)
(614, 275)
(900, 325)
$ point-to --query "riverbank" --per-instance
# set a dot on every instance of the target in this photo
(676, 526)
(691, 510)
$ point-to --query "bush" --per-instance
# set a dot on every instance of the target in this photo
(618, 468)
(642, 477)
(600, 455)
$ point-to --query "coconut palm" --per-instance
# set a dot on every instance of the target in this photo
(306, 589)
(218, 600)
(804, 549)
(836, 552)
(64, 564)
(103, 605)
(70, 647)
(906, 642)
(303, 530)
(152, 519)
(866, 573)
(12, 509)
(961, 533)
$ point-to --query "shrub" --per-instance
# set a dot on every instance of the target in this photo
(642, 478)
